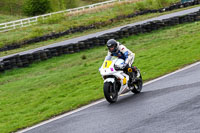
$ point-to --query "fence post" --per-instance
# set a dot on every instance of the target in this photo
(13, 25)
(36, 20)
(21, 23)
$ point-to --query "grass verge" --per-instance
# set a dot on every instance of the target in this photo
(45, 89)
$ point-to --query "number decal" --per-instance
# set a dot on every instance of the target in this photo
(107, 64)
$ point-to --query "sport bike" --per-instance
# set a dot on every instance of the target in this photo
(118, 81)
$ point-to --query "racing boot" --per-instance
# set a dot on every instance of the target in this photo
(132, 75)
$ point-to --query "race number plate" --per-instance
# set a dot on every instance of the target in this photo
(107, 64)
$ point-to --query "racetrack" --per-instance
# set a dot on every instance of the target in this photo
(169, 104)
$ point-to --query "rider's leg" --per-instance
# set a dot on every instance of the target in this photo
(136, 71)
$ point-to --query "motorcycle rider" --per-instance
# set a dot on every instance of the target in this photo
(117, 49)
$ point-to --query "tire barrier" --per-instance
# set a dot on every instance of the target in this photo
(95, 25)
(18, 61)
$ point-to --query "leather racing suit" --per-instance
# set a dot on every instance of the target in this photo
(123, 53)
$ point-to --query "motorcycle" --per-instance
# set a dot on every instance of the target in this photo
(117, 82)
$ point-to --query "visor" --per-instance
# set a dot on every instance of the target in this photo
(109, 45)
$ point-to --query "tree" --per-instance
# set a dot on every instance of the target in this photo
(36, 7)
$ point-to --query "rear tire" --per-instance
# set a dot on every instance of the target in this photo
(137, 85)
(110, 93)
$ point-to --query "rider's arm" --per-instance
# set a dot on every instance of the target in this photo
(129, 56)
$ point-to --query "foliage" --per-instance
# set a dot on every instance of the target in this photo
(71, 3)
(57, 5)
(36, 7)
(11, 7)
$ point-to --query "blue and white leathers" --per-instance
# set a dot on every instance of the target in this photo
(122, 53)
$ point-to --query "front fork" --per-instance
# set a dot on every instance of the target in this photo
(114, 82)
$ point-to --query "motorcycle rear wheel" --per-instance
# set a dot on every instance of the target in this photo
(137, 86)
(110, 93)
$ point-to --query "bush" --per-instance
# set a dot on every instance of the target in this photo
(36, 7)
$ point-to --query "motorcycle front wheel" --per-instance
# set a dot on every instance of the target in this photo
(110, 92)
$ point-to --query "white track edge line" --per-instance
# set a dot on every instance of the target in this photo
(102, 100)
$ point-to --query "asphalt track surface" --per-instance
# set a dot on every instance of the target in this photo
(170, 104)
(75, 40)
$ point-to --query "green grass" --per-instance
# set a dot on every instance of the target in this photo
(45, 89)
(7, 18)
(61, 23)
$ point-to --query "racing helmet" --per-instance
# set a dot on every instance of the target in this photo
(112, 45)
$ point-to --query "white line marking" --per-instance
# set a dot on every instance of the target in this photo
(102, 100)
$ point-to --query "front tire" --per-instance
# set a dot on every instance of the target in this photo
(110, 92)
